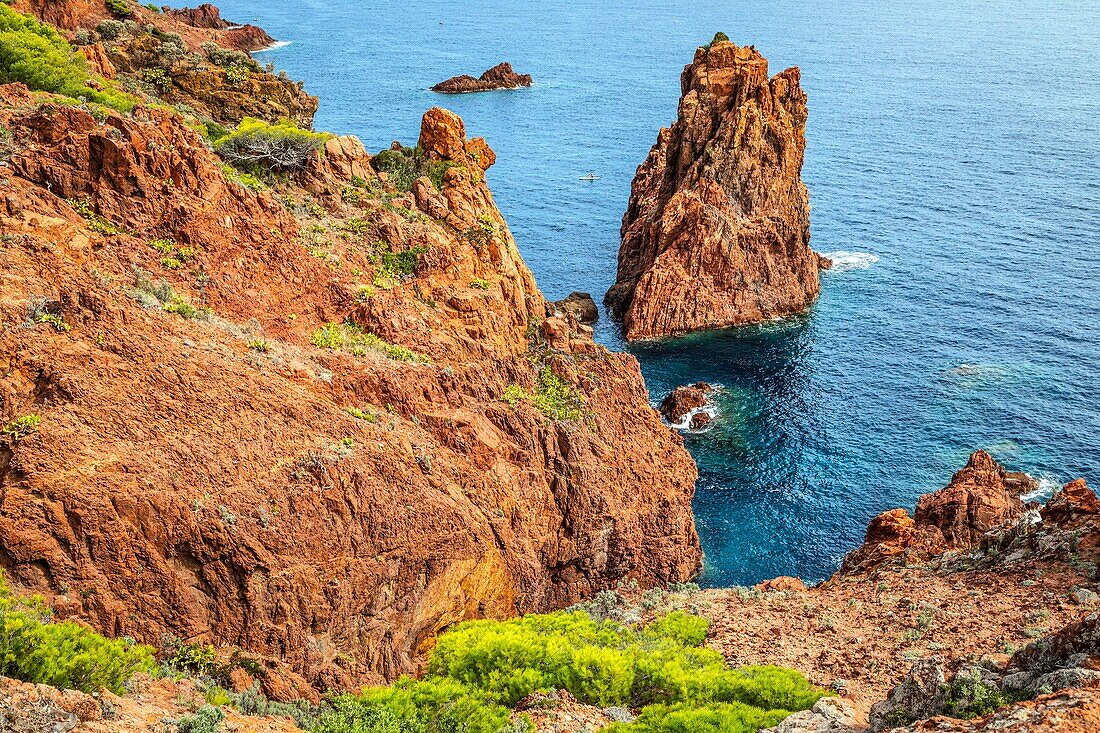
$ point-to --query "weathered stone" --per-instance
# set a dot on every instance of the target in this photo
(500, 76)
(718, 226)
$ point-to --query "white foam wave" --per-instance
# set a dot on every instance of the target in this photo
(685, 422)
(274, 46)
(843, 260)
(1046, 488)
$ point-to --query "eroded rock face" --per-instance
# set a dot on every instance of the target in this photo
(920, 695)
(717, 230)
(500, 76)
(980, 497)
(184, 481)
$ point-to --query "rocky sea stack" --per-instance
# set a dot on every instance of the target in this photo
(717, 231)
(500, 76)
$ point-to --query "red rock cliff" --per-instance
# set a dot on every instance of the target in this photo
(717, 230)
(225, 478)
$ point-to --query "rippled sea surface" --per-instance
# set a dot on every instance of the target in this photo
(953, 157)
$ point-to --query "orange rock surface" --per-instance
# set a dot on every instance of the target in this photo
(717, 230)
(204, 476)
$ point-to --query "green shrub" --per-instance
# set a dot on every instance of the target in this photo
(18, 429)
(719, 37)
(969, 696)
(207, 720)
(720, 718)
(35, 54)
(404, 165)
(349, 337)
(480, 668)
(119, 8)
(553, 397)
(400, 265)
(94, 221)
(282, 146)
(56, 321)
(64, 655)
(411, 706)
(195, 659)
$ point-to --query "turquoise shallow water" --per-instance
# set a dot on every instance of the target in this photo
(960, 146)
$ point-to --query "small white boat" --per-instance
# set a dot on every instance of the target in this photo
(590, 177)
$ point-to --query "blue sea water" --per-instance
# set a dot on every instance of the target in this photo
(957, 143)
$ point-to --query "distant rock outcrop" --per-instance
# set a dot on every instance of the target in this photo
(500, 76)
(718, 227)
(241, 37)
(980, 498)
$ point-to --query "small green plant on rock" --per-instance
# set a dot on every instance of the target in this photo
(554, 397)
(56, 321)
(480, 283)
(94, 221)
(21, 427)
(352, 339)
(119, 8)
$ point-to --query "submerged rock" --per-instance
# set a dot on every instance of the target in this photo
(717, 230)
(500, 76)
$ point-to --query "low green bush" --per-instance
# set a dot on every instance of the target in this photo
(404, 165)
(119, 8)
(20, 428)
(208, 719)
(553, 397)
(479, 669)
(351, 338)
(411, 706)
(720, 718)
(35, 54)
(279, 147)
(65, 654)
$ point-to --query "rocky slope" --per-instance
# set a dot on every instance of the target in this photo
(717, 230)
(971, 578)
(501, 76)
(219, 457)
(191, 58)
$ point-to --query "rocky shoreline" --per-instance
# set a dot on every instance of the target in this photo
(296, 411)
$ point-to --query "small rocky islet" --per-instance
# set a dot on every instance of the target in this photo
(501, 76)
(280, 416)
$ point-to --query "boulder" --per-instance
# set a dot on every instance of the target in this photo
(682, 400)
(579, 305)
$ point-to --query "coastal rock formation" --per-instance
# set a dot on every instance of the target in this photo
(500, 76)
(717, 231)
(580, 306)
(682, 400)
(980, 497)
(221, 457)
